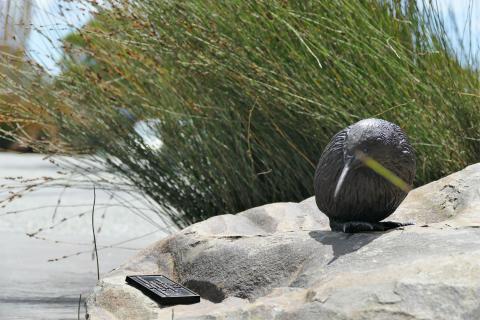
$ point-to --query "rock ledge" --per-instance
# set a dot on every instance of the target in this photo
(280, 261)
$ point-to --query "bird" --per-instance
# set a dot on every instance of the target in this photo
(355, 197)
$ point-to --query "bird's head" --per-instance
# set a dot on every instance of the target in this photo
(372, 139)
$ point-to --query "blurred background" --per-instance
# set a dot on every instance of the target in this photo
(48, 265)
(176, 112)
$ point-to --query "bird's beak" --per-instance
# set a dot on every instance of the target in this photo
(343, 175)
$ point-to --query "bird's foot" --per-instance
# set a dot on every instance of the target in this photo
(353, 226)
(361, 226)
(387, 225)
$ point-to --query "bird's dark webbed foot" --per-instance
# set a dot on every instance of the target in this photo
(361, 226)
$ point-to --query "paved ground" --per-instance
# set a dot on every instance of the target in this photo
(33, 287)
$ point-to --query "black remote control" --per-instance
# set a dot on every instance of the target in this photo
(163, 290)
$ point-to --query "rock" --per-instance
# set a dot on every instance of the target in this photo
(281, 261)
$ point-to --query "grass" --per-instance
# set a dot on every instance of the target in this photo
(247, 94)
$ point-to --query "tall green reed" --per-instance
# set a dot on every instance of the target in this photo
(247, 94)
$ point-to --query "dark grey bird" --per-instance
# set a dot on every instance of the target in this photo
(353, 196)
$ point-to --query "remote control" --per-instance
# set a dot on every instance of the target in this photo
(163, 290)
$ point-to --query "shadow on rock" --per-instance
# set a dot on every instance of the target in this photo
(343, 243)
(206, 290)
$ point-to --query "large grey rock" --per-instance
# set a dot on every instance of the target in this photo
(280, 261)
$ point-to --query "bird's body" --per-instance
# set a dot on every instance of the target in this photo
(352, 195)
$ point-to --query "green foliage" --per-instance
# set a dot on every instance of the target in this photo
(5, 130)
(248, 93)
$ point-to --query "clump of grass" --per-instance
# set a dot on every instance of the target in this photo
(247, 94)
